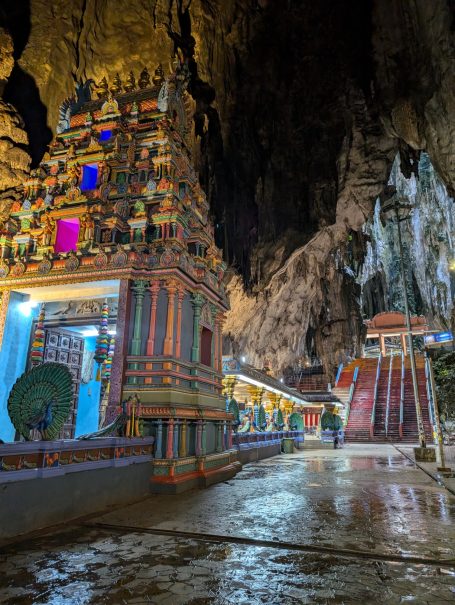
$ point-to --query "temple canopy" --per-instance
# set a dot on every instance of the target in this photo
(250, 386)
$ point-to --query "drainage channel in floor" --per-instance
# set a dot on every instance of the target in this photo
(279, 545)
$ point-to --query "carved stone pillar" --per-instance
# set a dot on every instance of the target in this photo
(178, 337)
(176, 439)
(183, 442)
(219, 437)
(154, 291)
(139, 289)
(121, 351)
(170, 439)
(159, 440)
(204, 439)
(229, 429)
(198, 444)
(169, 338)
(197, 302)
(221, 319)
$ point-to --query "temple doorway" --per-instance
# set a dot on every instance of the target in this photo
(71, 318)
(206, 346)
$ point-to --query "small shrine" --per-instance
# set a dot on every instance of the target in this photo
(108, 265)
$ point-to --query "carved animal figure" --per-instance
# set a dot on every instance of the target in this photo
(117, 427)
(41, 399)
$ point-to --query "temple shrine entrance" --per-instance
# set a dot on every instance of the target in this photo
(70, 318)
(66, 347)
(206, 346)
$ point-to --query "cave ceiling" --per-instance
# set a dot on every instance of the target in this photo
(301, 109)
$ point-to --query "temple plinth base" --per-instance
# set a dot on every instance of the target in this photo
(174, 476)
(425, 454)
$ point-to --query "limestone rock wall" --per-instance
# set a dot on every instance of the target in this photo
(428, 242)
(300, 110)
(14, 158)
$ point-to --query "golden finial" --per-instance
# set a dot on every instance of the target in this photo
(158, 78)
(130, 83)
(102, 88)
(144, 79)
(116, 87)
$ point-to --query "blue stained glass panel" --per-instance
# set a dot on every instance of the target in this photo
(89, 176)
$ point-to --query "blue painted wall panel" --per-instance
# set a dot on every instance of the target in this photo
(13, 357)
(89, 398)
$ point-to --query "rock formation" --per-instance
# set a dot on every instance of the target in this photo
(14, 159)
(300, 111)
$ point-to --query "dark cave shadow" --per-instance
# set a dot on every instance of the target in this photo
(21, 90)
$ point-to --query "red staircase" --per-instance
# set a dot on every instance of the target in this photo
(410, 432)
(381, 400)
(394, 404)
(358, 427)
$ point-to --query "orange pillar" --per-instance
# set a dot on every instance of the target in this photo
(216, 347)
(403, 344)
(219, 342)
(154, 290)
(382, 345)
(169, 338)
(181, 294)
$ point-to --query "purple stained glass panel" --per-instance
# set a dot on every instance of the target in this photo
(67, 235)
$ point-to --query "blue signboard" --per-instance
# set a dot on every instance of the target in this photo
(439, 337)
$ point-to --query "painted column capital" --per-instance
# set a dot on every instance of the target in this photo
(154, 288)
(139, 288)
(181, 293)
(197, 300)
(172, 286)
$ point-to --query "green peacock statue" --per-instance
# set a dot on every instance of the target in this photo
(262, 420)
(280, 419)
(331, 422)
(41, 400)
(296, 422)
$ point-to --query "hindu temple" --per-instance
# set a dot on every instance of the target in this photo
(110, 257)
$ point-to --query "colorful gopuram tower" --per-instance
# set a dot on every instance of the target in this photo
(116, 206)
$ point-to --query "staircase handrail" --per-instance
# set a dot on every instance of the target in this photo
(387, 408)
(430, 396)
(356, 374)
(375, 396)
(400, 428)
(337, 378)
(351, 394)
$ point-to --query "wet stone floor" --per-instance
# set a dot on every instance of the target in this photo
(357, 525)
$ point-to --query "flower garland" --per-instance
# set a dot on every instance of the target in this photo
(102, 340)
(37, 350)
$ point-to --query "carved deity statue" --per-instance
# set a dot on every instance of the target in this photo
(45, 237)
(74, 174)
(87, 228)
(104, 172)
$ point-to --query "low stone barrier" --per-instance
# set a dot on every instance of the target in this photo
(260, 445)
(40, 459)
(47, 483)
